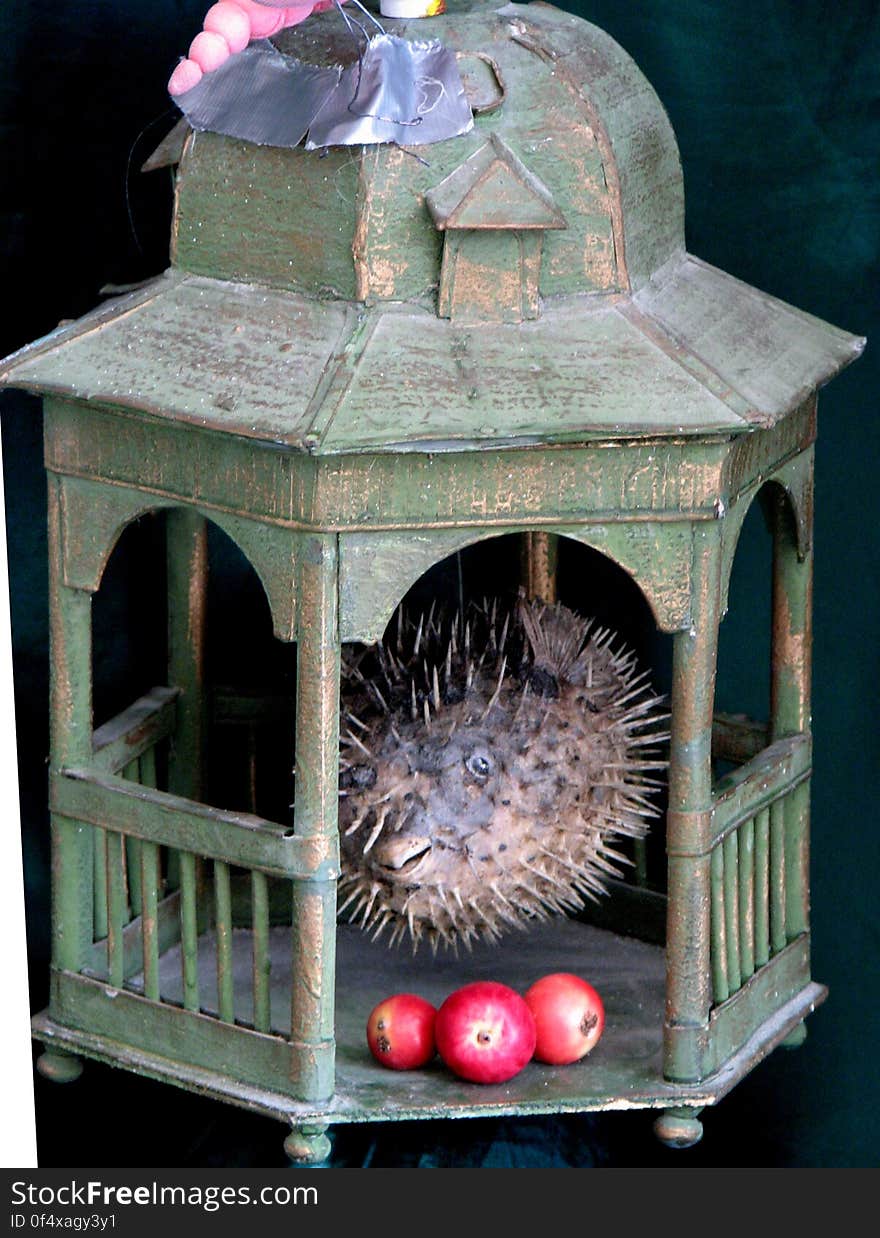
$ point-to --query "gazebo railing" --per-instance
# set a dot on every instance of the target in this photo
(755, 861)
(164, 869)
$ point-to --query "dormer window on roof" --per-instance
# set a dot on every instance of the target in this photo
(493, 213)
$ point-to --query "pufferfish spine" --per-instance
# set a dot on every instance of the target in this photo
(490, 761)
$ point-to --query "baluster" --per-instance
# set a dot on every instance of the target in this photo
(747, 898)
(116, 908)
(720, 987)
(777, 875)
(223, 912)
(150, 880)
(797, 861)
(731, 908)
(762, 887)
(189, 933)
(132, 772)
(261, 962)
(147, 778)
(100, 883)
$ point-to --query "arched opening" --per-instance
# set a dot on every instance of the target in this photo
(228, 872)
(743, 680)
(417, 686)
(190, 785)
(245, 675)
(761, 747)
(129, 619)
(250, 678)
(744, 692)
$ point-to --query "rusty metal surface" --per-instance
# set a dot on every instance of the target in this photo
(580, 371)
(628, 973)
(493, 189)
(226, 356)
(333, 377)
(638, 147)
(216, 393)
(556, 379)
(399, 90)
(623, 1072)
(394, 241)
(772, 354)
(609, 157)
(690, 351)
(343, 1107)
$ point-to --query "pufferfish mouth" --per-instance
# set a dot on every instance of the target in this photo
(403, 855)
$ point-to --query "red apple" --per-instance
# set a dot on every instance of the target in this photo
(485, 1032)
(569, 1017)
(400, 1031)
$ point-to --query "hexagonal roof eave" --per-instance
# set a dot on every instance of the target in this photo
(695, 352)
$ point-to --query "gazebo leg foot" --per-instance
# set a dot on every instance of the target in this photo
(679, 1128)
(58, 1066)
(307, 1147)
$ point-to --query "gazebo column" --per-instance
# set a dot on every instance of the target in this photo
(187, 577)
(74, 849)
(790, 701)
(538, 563)
(187, 560)
(315, 816)
(688, 976)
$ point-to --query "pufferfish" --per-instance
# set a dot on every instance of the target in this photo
(490, 762)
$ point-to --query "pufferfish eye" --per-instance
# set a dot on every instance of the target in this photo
(480, 765)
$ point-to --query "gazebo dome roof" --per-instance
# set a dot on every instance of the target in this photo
(302, 306)
(566, 99)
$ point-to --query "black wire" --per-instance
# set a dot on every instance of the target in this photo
(151, 124)
(352, 21)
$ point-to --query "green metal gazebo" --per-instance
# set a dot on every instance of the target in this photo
(361, 361)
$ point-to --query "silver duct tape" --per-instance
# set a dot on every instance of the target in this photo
(260, 96)
(397, 91)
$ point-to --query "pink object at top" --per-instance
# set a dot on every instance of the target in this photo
(228, 27)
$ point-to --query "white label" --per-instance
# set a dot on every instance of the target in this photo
(412, 8)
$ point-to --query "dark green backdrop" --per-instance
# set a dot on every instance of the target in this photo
(776, 105)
